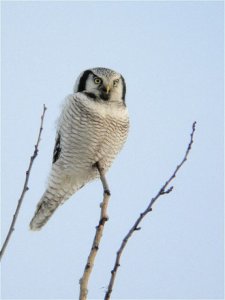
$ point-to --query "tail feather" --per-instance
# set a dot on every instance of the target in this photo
(46, 207)
(59, 190)
(48, 204)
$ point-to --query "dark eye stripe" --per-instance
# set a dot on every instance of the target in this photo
(124, 89)
(83, 79)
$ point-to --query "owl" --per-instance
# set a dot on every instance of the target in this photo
(91, 129)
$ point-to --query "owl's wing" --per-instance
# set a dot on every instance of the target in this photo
(58, 144)
(57, 149)
(64, 124)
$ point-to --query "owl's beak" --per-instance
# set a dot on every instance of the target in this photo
(107, 89)
(105, 92)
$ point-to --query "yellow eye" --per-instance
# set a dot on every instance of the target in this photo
(115, 82)
(97, 80)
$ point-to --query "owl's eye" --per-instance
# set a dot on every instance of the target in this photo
(97, 80)
(115, 82)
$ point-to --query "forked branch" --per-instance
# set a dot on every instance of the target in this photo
(25, 187)
(163, 191)
(98, 235)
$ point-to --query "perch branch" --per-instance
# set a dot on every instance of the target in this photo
(25, 187)
(98, 235)
(163, 190)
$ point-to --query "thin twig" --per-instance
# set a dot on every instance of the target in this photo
(25, 186)
(98, 235)
(163, 191)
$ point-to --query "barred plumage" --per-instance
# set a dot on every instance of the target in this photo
(92, 127)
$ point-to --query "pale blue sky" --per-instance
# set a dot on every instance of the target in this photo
(171, 55)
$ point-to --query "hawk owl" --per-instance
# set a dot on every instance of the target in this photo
(92, 128)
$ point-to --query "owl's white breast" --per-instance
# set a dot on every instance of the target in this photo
(115, 110)
(91, 131)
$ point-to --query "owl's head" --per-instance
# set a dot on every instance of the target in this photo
(102, 83)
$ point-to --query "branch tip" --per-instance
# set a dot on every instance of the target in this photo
(163, 190)
(25, 187)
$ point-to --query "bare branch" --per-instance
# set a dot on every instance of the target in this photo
(98, 235)
(163, 190)
(25, 187)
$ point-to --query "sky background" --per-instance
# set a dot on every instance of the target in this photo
(171, 56)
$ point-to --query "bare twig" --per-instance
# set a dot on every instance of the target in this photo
(164, 190)
(25, 187)
(98, 235)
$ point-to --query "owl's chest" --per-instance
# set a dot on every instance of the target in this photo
(103, 129)
(94, 133)
(102, 119)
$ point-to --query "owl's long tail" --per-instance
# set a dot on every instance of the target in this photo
(60, 188)
(47, 206)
